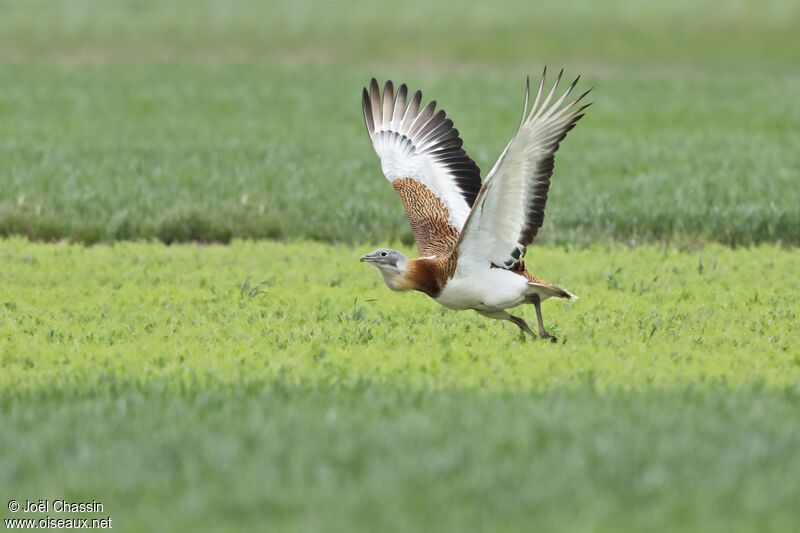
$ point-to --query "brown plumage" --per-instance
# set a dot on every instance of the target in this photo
(428, 217)
(429, 274)
(436, 240)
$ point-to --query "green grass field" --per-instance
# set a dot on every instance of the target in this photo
(253, 375)
(241, 387)
(232, 136)
(87, 319)
(216, 152)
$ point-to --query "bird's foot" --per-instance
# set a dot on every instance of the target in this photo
(548, 336)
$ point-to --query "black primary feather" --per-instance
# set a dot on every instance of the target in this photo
(427, 129)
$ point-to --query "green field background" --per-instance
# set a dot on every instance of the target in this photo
(227, 387)
(212, 121)
(187, 336)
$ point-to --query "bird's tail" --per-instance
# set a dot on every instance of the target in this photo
(550, 291)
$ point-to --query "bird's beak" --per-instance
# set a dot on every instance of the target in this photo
(366, 259)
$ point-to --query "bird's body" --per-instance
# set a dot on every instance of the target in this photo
(494, 290)
(471, 236)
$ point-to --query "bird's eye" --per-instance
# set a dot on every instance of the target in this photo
(383, 254)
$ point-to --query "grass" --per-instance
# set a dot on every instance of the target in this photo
(385, 457)
(243, 387)
(619, 32)
(161, 137)
(312, 314)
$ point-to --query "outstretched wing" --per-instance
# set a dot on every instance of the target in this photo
(421, 155)
(509, 211)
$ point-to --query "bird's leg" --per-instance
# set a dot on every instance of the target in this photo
(502, 315)
(543, 333)
(521, 324)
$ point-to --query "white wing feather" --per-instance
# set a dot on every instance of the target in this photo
(422, 145)
(510, 208)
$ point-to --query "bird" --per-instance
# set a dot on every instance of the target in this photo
(471, 236)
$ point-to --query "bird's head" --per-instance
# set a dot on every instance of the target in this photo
(391, 263)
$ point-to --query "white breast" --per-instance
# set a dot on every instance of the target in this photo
(489, 290)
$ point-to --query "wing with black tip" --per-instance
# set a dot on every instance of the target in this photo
(422, 156)
(510, 208)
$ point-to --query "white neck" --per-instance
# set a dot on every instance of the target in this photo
(393, 275)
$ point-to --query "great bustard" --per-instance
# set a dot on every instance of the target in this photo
(471, 237)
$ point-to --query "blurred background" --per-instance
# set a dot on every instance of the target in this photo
(215, 120)
(620, 34)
